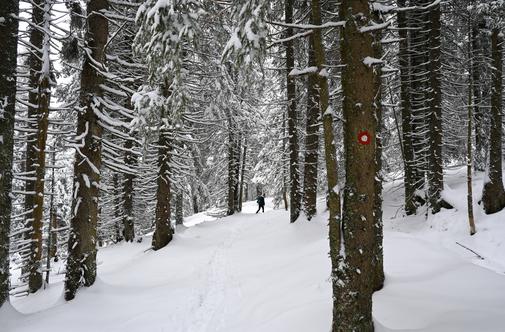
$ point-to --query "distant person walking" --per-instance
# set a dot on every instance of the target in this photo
(261, 203)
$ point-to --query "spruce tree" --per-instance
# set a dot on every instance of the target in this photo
(8, 53)
(81, 262)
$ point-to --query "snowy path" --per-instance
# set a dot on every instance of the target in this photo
(258, 273)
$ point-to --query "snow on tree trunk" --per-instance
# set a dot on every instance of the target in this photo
(330, 160)
(469, 196)
(81, 263)
(163, 231)
(242, 175)
(8, 53)
(311, 140)
(436, 173)
(231, 164)
(128, 224)
(294, 172)
(361, 109)
(38, 112)
(408, 153)
(478, 111)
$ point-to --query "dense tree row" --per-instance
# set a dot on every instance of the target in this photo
(160, 109)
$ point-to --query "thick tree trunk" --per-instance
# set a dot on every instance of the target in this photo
(493, 196)
(81, 263)
(8, 53)
(294, 172)
(331, 165)
(436, 175)
(361, 109)
(163, 231)
(311, 141)
(128, 224)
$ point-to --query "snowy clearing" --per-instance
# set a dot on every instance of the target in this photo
(253, 272)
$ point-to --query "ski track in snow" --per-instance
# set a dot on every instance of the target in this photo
(259, 273)
(208, 304)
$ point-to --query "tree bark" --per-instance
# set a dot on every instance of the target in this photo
(128, 223)
(8, 53)
(179, 213)
(331, 164)
(117, 207)
(163, 231)
(294, 173)
(81, 263)
(436, 173)
(493, 196)
(231, 166)
(38, 112)
(361, 109)
(236, 164)
(419, 86)
(311, 141)
(242, 174)
(408, 153)
(480, 159)
(471, 88)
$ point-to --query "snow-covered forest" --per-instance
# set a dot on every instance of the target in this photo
(252, 165)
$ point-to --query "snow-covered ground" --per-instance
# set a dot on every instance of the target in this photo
(259, 273)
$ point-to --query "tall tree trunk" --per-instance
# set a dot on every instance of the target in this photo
(311, 141)
(294, 172)
(471, 88)
(408, 153)
(285, 181)
(480, 159)
(436, 173)
(39, 97)
(117, 207)
(236, 164)
(195, 185)
(8, 53)
(179, 213)
(331, 163)
(419, 58)
(493, 196)
(81, 263)
(361, 109)
(231, 166)
(53, 219)
(377, 252)
(163, 231)
(51, 235)
(242, 175)
(128, 224)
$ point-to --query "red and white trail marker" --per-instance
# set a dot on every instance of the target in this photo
(364, 137)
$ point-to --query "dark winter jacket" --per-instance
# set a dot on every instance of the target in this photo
(260, 200)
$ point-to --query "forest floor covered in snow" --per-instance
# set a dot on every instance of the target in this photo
(259, 273)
